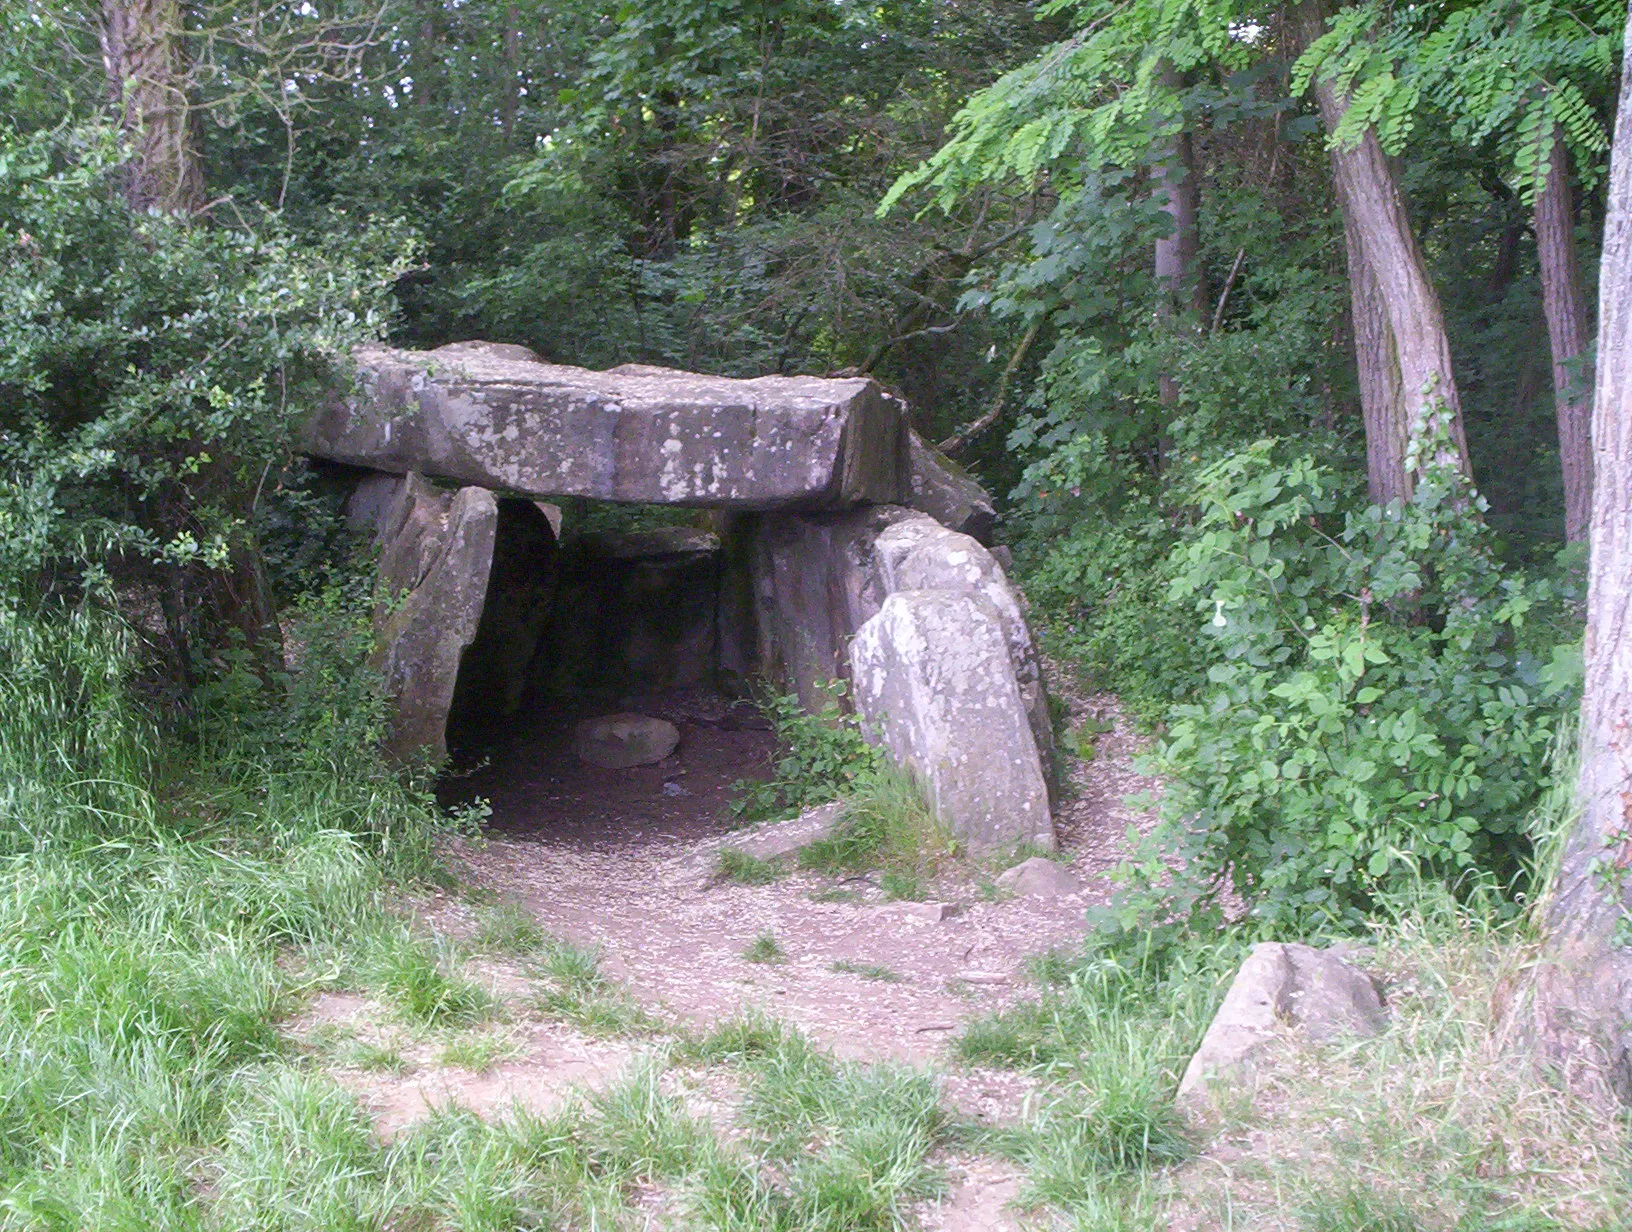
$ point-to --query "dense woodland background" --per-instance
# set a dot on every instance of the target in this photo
(1270, 327)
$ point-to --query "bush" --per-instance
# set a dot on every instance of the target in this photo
(1101, 588)
(823, 756)
(1383, 700)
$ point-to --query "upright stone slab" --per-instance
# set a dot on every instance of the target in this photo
(436, 552)
(814, 585)
(934, 685)
(920, 554)
(948, 493)
(491, 415)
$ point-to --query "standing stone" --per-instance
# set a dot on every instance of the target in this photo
(435, 556)
(933, 684)
(492, 415)
(948, 493)
(920, 554)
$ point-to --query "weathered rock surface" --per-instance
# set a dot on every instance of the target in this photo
(948, 493)
(619, 741)
(1280, 985)
(494, 415)
(813, 585)
(933, 683)
(772, 841)
(436, 551)
(920, 554)
(1038, 877)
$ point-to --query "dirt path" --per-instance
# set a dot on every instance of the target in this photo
(678, 945)
(621, 865)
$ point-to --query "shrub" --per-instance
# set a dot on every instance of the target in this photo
(823, 756)
(1384, 698)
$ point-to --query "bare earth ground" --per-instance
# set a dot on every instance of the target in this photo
(610, 859)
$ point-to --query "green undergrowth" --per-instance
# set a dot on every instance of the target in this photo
(886, 824)
(1108, 1037)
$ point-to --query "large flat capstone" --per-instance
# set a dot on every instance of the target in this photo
(497, 417)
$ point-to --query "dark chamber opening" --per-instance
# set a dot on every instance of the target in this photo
(581, 623)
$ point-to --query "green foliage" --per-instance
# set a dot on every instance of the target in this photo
(1103, 590)
(1515, 73)
(153, 371)
(765, 948)
(739, 866)
(824, 755)
(1110, 1042)
(509, 928)
(887, 824)
(867, 971)
(1383, 699)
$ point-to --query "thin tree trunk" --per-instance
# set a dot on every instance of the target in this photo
(147, 81)
(1369, 196)
(146, 65)
(1565, 305)
(511, 64)
(1584, 985)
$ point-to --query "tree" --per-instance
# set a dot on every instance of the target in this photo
(1585, 984)
(145, 59)
(1386, 267)
(1519, 74)
(1565, 305)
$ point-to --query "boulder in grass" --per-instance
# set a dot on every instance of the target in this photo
(1279, 986)
(619, 741)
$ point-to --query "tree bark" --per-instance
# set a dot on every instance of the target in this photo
(1373, 207)
(1565, 305)
(1382, 396)
(1584, 984)
(146, 68)
(1177, 279)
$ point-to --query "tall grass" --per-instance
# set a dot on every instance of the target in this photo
(156, 897)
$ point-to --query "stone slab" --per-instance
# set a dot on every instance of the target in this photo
(490, 415)
(933, 684)
(436, 551)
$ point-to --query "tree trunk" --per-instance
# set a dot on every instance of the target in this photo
(1382, 397)
(1565, 305)
(147, 81)
(1370, 199)
(1584, 984)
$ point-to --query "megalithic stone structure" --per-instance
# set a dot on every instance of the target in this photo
(841, 553)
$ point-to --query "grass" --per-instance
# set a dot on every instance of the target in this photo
(737, 865)
(478, 1052)
(381, 1057)
(867, 971)
(165, 907)
(579, 993)
(887, 824)
(765, 948)
(508, 928)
